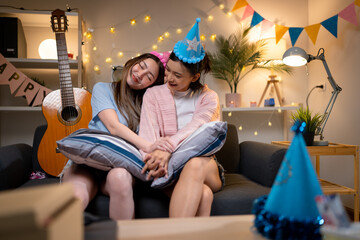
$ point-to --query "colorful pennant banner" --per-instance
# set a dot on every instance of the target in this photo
(330, 24)
(21, 84)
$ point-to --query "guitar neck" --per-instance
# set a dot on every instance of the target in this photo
(67, 93)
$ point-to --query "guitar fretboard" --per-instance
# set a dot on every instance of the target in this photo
(67, 93)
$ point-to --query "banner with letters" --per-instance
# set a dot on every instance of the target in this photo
(20, 84)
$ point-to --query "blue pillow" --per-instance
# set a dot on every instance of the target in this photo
(104, 151)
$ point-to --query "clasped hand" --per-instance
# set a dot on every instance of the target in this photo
(156, 163)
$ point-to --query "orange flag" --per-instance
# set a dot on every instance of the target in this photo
(280, 31)
(312, 31)
(357, 2)
(239, 4)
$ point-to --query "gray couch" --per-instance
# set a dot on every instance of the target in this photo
(250, 171)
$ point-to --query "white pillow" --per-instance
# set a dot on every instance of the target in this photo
(104, 151)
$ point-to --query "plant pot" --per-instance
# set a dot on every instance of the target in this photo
(232, 99)
(308, 138)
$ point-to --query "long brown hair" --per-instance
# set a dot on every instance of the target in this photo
(128, 100)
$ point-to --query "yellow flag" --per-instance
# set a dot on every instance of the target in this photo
(239, 4)
(357, 2)
(280, 31)
(313, 31)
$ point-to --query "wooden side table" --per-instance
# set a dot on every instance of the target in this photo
(331, 150)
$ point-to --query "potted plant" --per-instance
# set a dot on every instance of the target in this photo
(235, 57)
(312, 123)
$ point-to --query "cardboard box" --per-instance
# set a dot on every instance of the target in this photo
(48, 212)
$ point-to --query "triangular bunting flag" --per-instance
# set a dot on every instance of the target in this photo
(239, 4)
(294, 34)
(29, 89)
(357, 2)
(256, 19)
(280, 31)
(249, 11)
(43, 91)
(265, 26)
(313, 31)
(349, 14)
(331, 25)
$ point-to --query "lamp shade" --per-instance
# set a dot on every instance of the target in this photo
(295, 57)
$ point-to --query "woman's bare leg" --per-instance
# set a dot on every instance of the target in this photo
(83, 181)
(119, 186)
(205, 202)
(188, 194)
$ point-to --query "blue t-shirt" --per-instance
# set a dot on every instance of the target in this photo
(103, 98)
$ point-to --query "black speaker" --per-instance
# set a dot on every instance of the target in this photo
(12, 38)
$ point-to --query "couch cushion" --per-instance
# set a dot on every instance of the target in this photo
(237, 196)
(229, 155)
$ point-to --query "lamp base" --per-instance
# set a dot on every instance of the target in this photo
(321, 143)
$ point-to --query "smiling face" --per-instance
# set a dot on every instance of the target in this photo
(178, 77)
(143, 74)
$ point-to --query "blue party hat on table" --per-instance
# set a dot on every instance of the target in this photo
(190, 50)
(290, 211)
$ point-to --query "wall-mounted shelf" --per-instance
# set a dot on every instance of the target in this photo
(263, 109)
(40, 63)
(19, 109)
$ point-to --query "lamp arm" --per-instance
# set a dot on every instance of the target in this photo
(320, 129)
(336, 90)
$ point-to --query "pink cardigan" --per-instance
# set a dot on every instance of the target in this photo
(158, 114)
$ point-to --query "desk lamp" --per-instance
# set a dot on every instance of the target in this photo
(295, 57)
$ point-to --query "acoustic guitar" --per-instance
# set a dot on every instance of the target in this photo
(66, 109)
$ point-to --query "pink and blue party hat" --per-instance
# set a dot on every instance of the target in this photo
(190, 50)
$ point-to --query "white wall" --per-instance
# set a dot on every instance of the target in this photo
(342, 53)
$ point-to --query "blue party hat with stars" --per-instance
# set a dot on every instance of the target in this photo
(296, 184)
(290, 210)
(190, 50)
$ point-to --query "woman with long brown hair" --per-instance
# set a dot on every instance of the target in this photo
(116, 109)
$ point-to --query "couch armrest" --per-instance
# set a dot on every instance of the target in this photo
(15, 165)
(260, 162)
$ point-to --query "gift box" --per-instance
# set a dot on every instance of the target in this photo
(48, 212)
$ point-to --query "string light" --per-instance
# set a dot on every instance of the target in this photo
(133, 22)
(166, 34)
(256, 133)
(94, 48)
(120, 54)
(240, 128)
(147, 18)
(108, 60)
(229, 14)
(279, 110)
(202, 37)
(154, 47)
(210, 18)
(112, 30)
(230, 114)
(88, 35)
(269, 124)
(221, 6)
(213, 37)
(138, 54)
(160, 38)
(96, 68)
(179, 31)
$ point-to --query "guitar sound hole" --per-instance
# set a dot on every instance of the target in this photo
(69, 114)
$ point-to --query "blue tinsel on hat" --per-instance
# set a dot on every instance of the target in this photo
(190, 50)
(290, 211)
